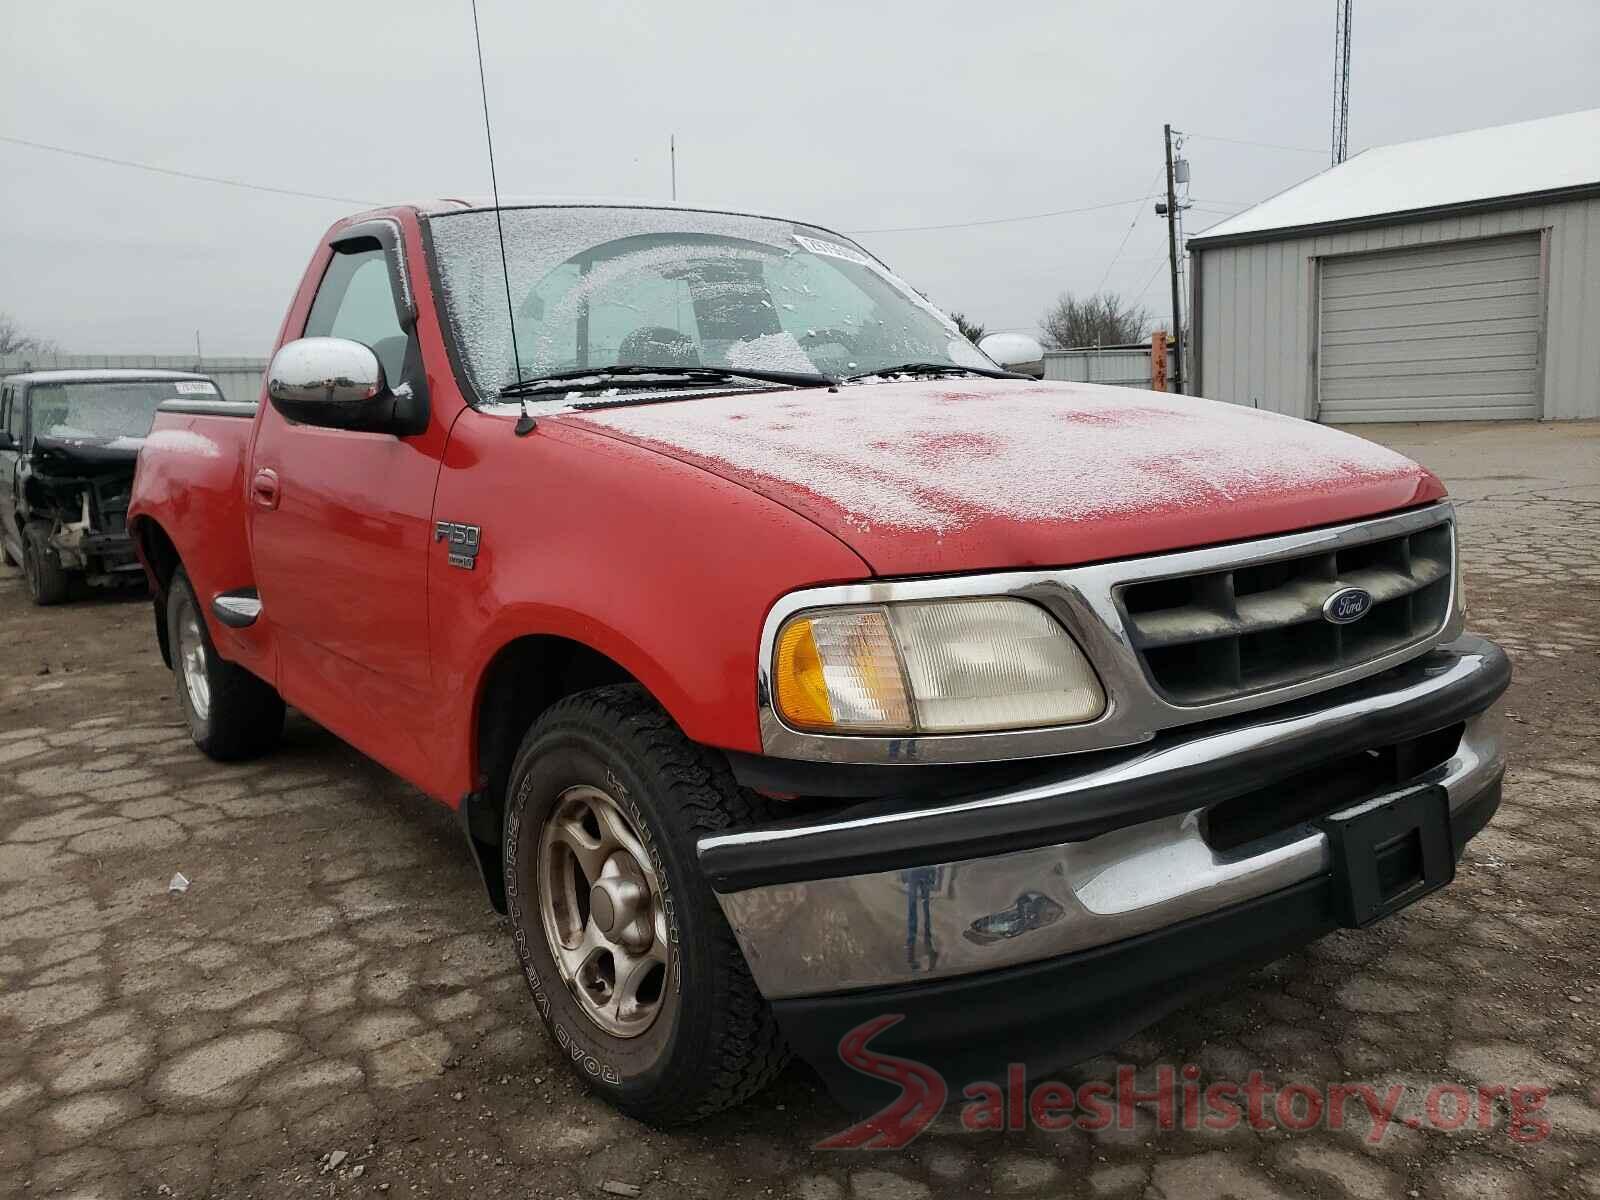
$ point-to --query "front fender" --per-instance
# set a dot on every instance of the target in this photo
(662, 567)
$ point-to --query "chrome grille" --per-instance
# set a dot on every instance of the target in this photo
(1210, 637)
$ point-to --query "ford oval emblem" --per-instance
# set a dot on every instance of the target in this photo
(1347, 605)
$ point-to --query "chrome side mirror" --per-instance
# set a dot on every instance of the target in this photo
(1018, 352)
(331, 382)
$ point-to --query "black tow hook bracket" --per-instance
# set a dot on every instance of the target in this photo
(1389, 852)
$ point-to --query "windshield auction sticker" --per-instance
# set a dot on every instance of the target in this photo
(195, 387)
(833, 250)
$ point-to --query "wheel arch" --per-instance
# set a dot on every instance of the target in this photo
(159, 554)
(522, 680)
(156, 549)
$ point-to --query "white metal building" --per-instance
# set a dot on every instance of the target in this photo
(1456, 278)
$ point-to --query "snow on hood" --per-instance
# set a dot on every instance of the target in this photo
(941, 475)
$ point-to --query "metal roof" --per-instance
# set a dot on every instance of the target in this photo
(1481, 168)
(108, 375)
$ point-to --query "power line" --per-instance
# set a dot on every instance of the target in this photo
(192, 175)
(1123, 245)
(1160, 262)
(1207, 137)
(197, 177)
(1060, 212)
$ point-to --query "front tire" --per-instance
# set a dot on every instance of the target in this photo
(232, 715)
(41, 566)
(631, 963)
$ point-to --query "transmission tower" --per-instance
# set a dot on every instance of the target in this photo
(1341, 80)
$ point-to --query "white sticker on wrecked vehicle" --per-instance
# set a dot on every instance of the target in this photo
(195, 387)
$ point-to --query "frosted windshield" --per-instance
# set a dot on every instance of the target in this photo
(602, 287)
(102, 409)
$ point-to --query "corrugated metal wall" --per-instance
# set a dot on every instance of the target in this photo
(1118, 366)
(239, 378)
(1257, 312)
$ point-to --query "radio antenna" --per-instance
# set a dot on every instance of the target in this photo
(525, 423)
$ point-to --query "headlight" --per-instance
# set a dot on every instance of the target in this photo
(943, 666)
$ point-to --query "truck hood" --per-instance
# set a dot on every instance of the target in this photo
(928, 477)
(87, 452)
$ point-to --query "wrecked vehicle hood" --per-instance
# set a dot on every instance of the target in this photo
(935, 476)
(86, 452)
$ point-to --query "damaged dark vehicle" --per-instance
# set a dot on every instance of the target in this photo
(69, 441)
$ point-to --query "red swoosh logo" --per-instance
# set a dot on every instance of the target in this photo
(922, 1092)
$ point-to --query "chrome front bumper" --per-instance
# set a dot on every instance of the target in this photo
(919, 920)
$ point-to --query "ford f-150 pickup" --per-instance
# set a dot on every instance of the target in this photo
(796, 671)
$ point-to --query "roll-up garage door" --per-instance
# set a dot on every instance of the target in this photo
(1431, 333)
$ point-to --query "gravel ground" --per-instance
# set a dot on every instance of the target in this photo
(332, 1009)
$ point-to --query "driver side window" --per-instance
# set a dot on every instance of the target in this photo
(356, 301)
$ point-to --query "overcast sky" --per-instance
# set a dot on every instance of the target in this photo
(856, 116)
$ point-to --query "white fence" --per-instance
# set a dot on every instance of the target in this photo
(239, 378)
(1118, 366)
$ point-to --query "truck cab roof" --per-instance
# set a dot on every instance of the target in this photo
(446, 204)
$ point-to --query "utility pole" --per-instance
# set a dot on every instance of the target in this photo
(1171, 207)
(672, 149)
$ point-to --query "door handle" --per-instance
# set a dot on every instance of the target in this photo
(264, 488)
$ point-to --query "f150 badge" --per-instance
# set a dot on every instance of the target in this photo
(462, 540)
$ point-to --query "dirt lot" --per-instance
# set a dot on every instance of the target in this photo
(334, 981)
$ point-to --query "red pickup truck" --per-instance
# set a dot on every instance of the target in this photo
(792, 667)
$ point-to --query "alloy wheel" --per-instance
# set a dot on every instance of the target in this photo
(192, 663)
(600, 902)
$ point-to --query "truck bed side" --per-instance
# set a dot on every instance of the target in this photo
(189, 504)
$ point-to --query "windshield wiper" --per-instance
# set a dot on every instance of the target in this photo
(935, 368)
(588, 379)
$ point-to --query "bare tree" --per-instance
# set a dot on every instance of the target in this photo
(970, 330)
(1103, 320)
(14, 341)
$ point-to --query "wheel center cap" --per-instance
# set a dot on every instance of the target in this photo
(615, 905)
(601, 908)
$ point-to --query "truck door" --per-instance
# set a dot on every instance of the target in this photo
(10, 452)
(339, 525)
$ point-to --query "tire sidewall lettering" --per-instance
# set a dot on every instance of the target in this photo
(668, 905)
